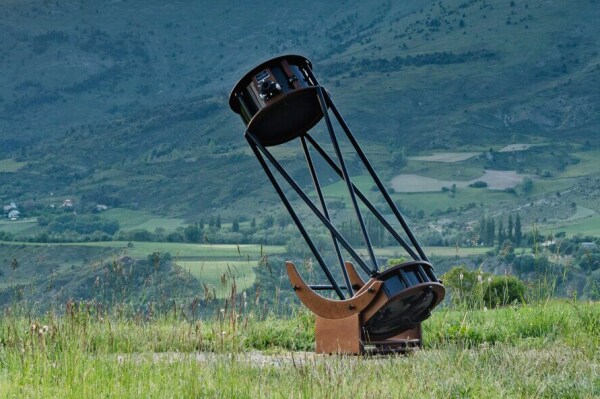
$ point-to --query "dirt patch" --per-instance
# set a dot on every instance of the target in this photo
(500, 179)
(518, 147)
(449, 157)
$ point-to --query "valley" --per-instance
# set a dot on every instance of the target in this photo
(115, 130)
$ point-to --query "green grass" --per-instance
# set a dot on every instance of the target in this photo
(551, 186)
(168, 224)
(19, 226)
(141, 220)
(435, 251)
(541, 350)
(139, 250)
(589, 161)
(11, 166)
(429, 202)
(216, 266)
(339, 189)
(589, 226)
(221, 273)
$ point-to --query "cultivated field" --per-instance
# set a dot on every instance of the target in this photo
(199, 252)
(10, 165)
(449, 157)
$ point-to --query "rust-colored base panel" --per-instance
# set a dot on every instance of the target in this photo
(343, 337)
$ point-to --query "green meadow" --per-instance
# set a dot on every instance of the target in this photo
(11, 166)
(547, 349)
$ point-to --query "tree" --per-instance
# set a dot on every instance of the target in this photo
(218, 221)
(267, 222)
(527, 185)
(192, 233)
(483, 230)
(491, 232)
(518, 232)
(283, 219)
(501, 232)
(510, 228)
(235, 226)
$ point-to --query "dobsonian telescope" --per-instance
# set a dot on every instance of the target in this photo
(377, 311)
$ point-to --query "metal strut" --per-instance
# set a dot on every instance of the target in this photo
(310, 204)
(315, 180)
(253, 144)
(378, 182)
(346, 178)
(364, 200)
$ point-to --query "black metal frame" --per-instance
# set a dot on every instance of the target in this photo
(261, 152)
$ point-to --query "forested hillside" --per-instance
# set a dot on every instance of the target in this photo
(124, 103)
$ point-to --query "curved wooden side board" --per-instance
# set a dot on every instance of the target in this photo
(355, 279)
(330, 308)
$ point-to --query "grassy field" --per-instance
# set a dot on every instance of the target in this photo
(18, 226)
(137, 220)
(214, 271)
(436, 251)
(548, 349)
(429, 202)
(215, 266)
(11, 166)
(449, 157)
(588, 161)
(199, 252)
(589, 226)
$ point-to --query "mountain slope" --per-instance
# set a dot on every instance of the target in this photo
(127, 101)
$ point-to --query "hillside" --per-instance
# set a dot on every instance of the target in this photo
(125, 102)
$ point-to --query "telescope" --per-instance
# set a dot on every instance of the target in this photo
(376, 310)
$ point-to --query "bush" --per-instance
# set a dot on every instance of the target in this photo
(476, 289)
(478, 184)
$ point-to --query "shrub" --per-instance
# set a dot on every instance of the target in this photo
(478, 184)
(476, 289)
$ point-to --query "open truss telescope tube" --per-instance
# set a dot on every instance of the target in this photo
(279, 101)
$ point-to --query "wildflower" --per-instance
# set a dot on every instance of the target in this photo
(461, 276)
(489, 280)
(479, 278)
(120, 359)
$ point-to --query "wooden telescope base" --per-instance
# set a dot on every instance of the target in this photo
(344, 336)
(383, 316)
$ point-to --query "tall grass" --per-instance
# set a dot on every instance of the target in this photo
(549, 349)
